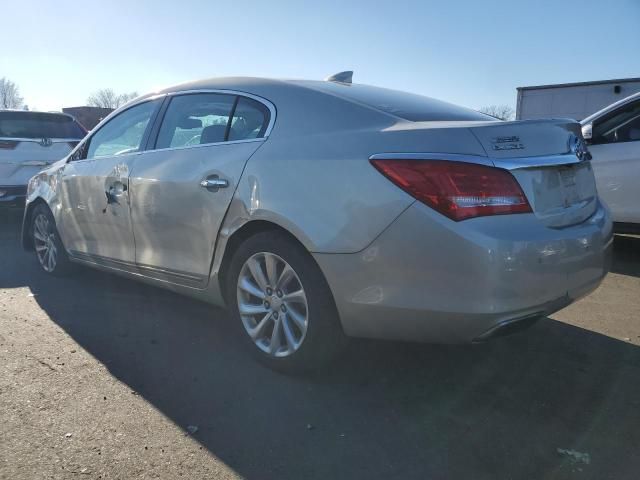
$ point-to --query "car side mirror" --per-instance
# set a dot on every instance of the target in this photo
(587, 132)
(77, 152)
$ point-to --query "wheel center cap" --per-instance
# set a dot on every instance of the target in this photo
(276, 302)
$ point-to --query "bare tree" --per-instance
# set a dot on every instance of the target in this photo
(9, 94)
(107, 98)
(503, 112)
(127, 97)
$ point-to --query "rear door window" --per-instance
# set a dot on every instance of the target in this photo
(195, 119)
(39, 125)
(205, 118)
(250, 120)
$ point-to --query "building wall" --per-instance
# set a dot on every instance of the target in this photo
(89, 117)
(571, 100)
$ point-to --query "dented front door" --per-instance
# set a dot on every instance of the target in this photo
(97, 217)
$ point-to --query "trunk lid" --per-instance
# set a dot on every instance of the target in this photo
(550, 161)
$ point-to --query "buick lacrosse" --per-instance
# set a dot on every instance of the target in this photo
(321, 210)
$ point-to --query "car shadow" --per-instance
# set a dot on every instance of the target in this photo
(384, 410)
(627, 255)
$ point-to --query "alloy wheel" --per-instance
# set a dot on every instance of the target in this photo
(273, 304)
(44, 242)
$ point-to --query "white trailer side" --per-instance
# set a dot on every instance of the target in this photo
(572, 100)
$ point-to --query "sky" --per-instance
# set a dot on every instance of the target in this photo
(470, 52)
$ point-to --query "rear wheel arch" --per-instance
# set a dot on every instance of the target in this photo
(243, 233)
(322, 336)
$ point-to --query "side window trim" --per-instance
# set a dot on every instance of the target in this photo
(158, 118)
(84, 145)
(151, 125)
(152, 141)
(153, 138)
(230, 119)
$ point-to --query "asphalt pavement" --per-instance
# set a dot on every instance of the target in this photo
(103, 377)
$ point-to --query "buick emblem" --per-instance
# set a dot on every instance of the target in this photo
(507, 143)
(579, 148)
(46, 142)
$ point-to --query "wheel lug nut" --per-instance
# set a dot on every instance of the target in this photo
(269, 291)
(279, 293)
(275, 315)
(283, 308)
(267, 304)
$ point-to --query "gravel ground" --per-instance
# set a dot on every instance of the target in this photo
(106, 378)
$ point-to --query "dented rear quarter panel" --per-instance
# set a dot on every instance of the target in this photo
(323, 189)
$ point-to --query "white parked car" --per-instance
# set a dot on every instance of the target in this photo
(613, 135)
(29, 142)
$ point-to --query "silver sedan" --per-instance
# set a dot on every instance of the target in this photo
(321, 210)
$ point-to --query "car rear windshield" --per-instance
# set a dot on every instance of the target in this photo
(39, 125)
(409, 106)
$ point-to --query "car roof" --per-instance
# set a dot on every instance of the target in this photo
(266, 87)
(285, 96)
(37, 112)
(272, 89)
(224, 83)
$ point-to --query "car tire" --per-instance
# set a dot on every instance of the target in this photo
(288, 319)
(50, 253)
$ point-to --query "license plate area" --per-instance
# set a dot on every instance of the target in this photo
(576, 184)
(571, 194)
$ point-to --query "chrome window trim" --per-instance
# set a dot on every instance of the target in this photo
(169, 149)
(97, 159)
(121, 109)
(506, 163)
(89, 136)
(262, 100)
(213, 144)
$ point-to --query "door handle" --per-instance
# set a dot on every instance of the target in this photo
(214, 183)
(115, 191)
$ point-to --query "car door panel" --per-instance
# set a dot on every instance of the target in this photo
(176, 219)
(96, 217)
(615, 148)
(616, 167)
(97, 220)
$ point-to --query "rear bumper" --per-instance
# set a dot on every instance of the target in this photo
(13, 196)
(429, 279)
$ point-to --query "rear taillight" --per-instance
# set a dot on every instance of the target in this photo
(456, 189)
